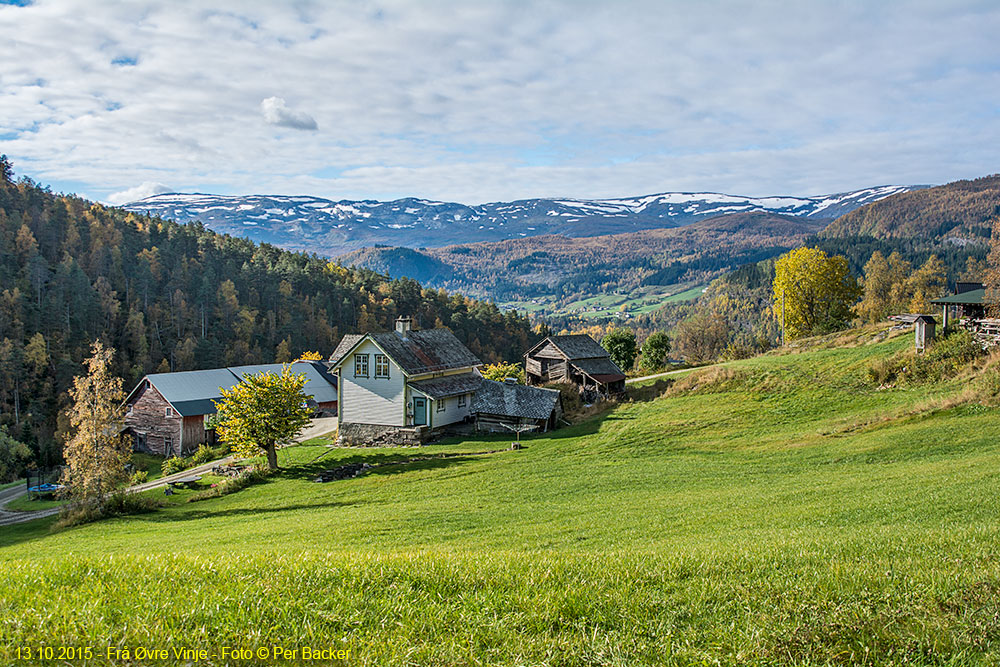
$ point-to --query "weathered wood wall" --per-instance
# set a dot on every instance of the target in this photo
(148, 416)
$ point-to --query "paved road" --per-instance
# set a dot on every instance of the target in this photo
(8, 518)
(660, 375)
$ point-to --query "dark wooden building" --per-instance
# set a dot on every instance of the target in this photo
(575, 358)
(166, 413)
(506, 407)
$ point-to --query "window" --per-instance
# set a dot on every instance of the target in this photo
(440, 405)
(461, 401)
(360, 365)
(168, 412)
(381, 366)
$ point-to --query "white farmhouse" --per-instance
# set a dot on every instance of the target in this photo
(402, 386)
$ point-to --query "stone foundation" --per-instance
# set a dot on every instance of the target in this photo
(377, 435)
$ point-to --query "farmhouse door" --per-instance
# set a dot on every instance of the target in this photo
(419, 411)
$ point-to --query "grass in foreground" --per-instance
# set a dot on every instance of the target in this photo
(783, 512)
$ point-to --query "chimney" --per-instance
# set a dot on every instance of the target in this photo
(403, 326)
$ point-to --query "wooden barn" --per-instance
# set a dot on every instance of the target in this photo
(575, 358)
(166, 412)
(506, 407)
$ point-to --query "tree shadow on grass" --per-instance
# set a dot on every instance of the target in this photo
(383, 463)
(192, 513)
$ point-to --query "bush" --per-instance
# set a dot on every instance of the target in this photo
(943, 359)
(247, 477)
(120, 503)
(138, 477)
(173, 465)
(203, 455)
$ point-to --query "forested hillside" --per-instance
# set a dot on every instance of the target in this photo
(961, 210)
(561, 268)
(175, 297)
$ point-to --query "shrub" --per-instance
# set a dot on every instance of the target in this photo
(120, 503)
(173, 465)
(138, 477)
(203, 455)
(247, 477)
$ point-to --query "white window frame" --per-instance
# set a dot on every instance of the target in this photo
(168, 411)
(461, 400)
(441, 404)
(382, 366)
(361, 364)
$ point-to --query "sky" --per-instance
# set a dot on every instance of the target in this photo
(478, 100)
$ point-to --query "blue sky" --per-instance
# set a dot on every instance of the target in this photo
(485, 101)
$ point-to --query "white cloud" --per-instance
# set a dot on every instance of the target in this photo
(496, 100)
(146, 189)
(276, 112)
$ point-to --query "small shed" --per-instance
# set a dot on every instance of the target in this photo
(923, 327)
(499, 406)
(576, 358)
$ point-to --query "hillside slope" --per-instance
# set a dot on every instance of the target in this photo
(962, 211)
(787, 509)
(179, 297)
(559, 266)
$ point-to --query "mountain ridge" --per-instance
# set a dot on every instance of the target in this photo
(329, 227)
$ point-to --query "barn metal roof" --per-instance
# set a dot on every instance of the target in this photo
(193, 392)
(514, 400)
(972, 297)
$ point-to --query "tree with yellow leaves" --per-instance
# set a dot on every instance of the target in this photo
(261, 412)
(97, 453)
(812, 292)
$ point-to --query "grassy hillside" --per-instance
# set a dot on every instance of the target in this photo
(787, 509)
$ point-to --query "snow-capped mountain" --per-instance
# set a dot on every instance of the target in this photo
(335, 227)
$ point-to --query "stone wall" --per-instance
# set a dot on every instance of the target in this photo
(376, 435)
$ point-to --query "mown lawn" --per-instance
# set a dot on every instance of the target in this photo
(786, 512)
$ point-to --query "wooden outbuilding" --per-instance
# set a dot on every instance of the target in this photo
(924, 326)
(511, 407)
(576, 358)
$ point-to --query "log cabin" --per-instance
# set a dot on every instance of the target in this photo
(576, 358)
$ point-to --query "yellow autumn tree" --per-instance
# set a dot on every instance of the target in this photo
(96, 454)
(501, 371)
(310, 356)
(261, 412)
(812, 292)
(884, 285)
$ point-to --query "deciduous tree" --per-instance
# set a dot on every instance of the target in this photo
(501, 371)
(13, 456)
(621, 346)
(261, 412)
(813, 291)
(96, 453)
(654, 351)
(883, 285)
(992, 276)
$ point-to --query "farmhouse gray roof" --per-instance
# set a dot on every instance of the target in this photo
(578, 346)
(193, 392)
(514, 400)
(451, 385)
(972, 297)
(425, 351)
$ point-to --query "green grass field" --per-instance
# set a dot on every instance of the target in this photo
(782, 510)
